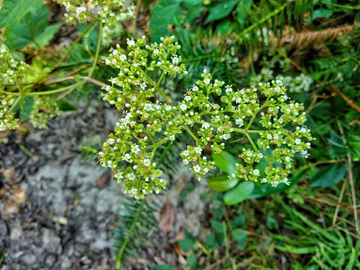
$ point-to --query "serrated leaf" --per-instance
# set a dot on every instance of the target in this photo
(240, 193)
(225, 161)
(47, 35)
(222, 183)
(161, 17)
(21, 34)
(220, 10)
(329, 176)
(13, 11)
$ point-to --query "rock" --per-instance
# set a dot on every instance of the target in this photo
(52, 242)
(29, 259)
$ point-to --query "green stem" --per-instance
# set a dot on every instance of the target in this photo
(192, 134)
(121, 252)
(97, 50)
(73, 45)
(14, 105)
(55, 91)
(251, 141)
(341, 6)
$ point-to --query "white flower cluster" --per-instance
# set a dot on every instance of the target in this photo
(112, 14)
(44, 109)
(137, 134)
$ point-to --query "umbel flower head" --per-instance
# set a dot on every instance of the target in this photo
(136, 136)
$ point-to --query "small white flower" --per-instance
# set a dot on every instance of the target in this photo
(288, 159)
(172, 138)
(229, 90)
(260, 155)
(297, 141)
(187, 98)
(207, 81)
(185, 162)
(123, 57)
(147, 162)
(195, 88)
(239, 122)
(131, 176)
(127, 157)
(198, 150)
(206, 125)
(197, 169)
(111, 141)
(264, 180)
(168, 108)
(183, 107)
(175, 60)
(269, 136)
(185, 153)
(131, 43)
(226, 136)
(206, 170)
(238, 100)
(256, 172)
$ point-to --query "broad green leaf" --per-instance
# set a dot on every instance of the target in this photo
(320, 13)
(45, 37)
(28, 103)
(297, 250)
(222, 183)
(218, 226)
(238, 194)
(186, 244)
(191, 3)
(225, 161)
(220, 10)
(241, 238)
(65, 106)
(20, 35)
(163, 267)
(13, 11)
(192, 261)
(211, 241)
(161, 16)
(329, 176)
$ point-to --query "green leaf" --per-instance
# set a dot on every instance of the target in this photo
(218, 226)
(65, 106)
(297, 250)
(241, 237)
(220, 10)
(161, 16)
(241, 10)
(211, 241)
(192, 261)
(163, 267)
(329, 176)
(190, 3)
(21, 34)
(186, 244)
(45, 37)
(222, 183)
(28, 103)
(238, 194)
(225, 161)
(320, 13)
(13, 11)
(271, 223)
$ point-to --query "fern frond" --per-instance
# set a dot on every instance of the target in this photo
(136, 222)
